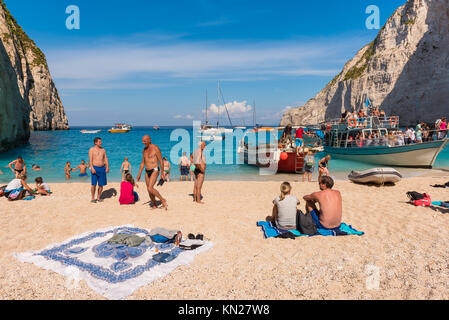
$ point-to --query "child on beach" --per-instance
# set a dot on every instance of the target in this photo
(127, 193)
(125, 169)
(67, 170)
(284, 209)
(309, 165)
(42, 187)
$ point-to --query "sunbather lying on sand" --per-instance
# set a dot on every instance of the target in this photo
(330, 213)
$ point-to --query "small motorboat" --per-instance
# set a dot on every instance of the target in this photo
(376, 176)
(156, 127)
(120, 128)
(90, 131)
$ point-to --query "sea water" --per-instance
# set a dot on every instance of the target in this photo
(52, 149)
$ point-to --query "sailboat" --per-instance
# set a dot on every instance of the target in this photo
(210, 133)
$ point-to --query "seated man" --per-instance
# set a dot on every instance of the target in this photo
(330, 212)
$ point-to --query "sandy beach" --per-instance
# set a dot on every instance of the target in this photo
(405, 245)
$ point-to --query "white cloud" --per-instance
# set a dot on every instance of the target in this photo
(235, 109)
(188, 117)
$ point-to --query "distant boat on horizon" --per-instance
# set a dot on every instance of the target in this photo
(156, 127)
(120, 128)
(90, 131)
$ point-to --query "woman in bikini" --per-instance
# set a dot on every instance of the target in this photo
(19, 166)
(323, 166)
(167, 167)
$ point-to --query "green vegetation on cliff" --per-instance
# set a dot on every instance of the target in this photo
(26, 43)
(359, 68)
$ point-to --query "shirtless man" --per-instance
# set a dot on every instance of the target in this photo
(184, 166)
(83, 168)
(199, 160)
(99, 166)
(330, 212)
(19, 166)
(125, 168)
(151, 157)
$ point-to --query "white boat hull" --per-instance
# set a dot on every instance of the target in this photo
(420, 155)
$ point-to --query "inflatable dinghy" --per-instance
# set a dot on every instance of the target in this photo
(376, 176)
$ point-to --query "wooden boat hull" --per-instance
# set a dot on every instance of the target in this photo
(418, 155)
(270, 160)
(118, 131)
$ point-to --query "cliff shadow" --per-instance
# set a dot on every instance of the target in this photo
(17, 111)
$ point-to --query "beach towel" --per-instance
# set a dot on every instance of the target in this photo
(269, 230)
(444, 204)
(114, 271)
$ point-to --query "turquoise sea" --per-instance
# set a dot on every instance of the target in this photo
(52, 149)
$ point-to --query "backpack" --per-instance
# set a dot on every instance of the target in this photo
(419, 200)
(413, 195)
(305, 223)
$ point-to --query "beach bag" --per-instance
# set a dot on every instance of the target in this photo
(305, 223)
(413, 195)
(426, 202)
(16, 194)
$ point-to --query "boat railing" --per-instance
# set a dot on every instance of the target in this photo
(391, 140)
(362, 123)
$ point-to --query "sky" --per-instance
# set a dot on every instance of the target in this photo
(151, 62)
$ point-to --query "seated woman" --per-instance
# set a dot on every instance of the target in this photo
(127, 193)
(284, 209)
(17, 186)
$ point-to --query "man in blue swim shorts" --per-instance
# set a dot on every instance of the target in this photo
(83, 169)
(330, 213)
(99, 166)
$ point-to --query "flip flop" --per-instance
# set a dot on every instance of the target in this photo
(93, 201)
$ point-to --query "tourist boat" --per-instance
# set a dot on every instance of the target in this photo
(120, 128)
(275, 157)
(156, 127)
(90, 131)
(382, 143)
(375, 175)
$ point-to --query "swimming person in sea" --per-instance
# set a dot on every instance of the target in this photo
(285, 209)
(151, 156)
(329, 215)
(199, 160)
(82, 168)
(68, 169)
(125, 168)
(167, 168)
(19, 166)
(99, 166)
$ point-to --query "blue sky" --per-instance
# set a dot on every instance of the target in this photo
(151, 62)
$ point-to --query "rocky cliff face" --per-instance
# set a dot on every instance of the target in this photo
(404, 71)
(34, 82)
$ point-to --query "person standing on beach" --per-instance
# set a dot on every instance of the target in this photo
(83, 168)
(199, 159)
(323, 166)
(125, 168)
(329, 215)
(99, 166)
(151, 157)
(184, 166)
(19, 166)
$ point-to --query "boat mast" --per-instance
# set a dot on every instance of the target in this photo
(218, 104)
(254, 114)
(224, 103)
(206, 109)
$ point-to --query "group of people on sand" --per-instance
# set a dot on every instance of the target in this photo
(325, 206)
(19, 189)
(154, 166)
